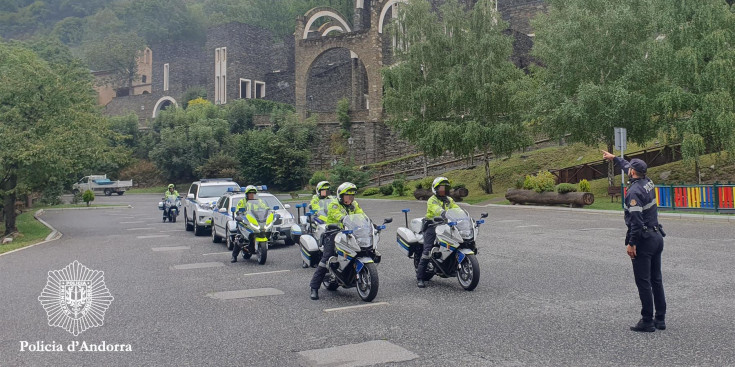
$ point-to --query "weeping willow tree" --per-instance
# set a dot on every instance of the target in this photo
(454, 88)
(694, 62)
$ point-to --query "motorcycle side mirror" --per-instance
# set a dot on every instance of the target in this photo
(387, 220)
(481, 221)
(452, 224)
(233, 209)
(380, 228)
(349, 231)
(298, 206)
(406, 210)
(276, 207)
(309, 214)
(483, 215)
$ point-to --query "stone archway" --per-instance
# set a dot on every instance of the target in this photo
(324, 90)
(162, 104)
(384, 11)
(316, 13)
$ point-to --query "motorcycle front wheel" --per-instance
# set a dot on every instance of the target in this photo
(468, 273)
(367, 282)
(262, 252)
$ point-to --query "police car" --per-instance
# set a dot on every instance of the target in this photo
(223, 222)
(200, 200)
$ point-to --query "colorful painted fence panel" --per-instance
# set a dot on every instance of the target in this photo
(703, 197)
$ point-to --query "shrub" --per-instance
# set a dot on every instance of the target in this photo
(386, 190)
(459, 186)
(399, 186)
(545, 182)
(424, 183)
(88, 197)
(77, 198)
(529, 182)
(343, 115)
(345, 173)
(51, 194)
(316, 178)
(564, 188)
(584, 186)
(143, 173)
(519, 182)
(371, 191)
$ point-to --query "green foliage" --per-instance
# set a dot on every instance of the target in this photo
(266, 107)
(584, 186)
(520, 182)
(370, 191)
(529, 182)
(386, 190)
(564, 188)
(52, 138)
(240, 115)
(484, 105)
(127, 128)
(342, 172)
(70, 30)
(459, 186)
(544, 181)
(399, 186)
(165, 20)
(343, 115)
(317, 177)
(194, 93)
(143, 173)
(88, 196)
(51, 193)
(221, 165)
(117, 54)
(424, 183)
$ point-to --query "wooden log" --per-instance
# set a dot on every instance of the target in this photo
(576, 199)
(422, 194)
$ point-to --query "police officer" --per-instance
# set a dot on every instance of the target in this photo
(435, 207)
(344, 205)
(644, 242)
(248, 203)
(169, 193)
(322, 193)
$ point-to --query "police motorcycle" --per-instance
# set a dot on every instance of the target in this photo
(170, 207)
(310, 233)
(356, 256)
(453, 253)
(255, 232)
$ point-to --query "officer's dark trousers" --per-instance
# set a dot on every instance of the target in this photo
(237, 248)
(429, 239)
(647, 271)
(321, 269)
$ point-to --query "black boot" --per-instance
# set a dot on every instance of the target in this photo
(659, 323)
(314, 294)
(234, 259)
(644, 326)
(420, 283)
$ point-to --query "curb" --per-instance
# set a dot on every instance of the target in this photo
(53, 236)
(703, 217)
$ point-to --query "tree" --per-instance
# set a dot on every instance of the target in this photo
(50, 126)
(459, 101)
(117, 53)
(694, 61)
(164, 21)
(594, 52)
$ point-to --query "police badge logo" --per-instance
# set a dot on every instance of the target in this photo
(75, 298)
(633, 202)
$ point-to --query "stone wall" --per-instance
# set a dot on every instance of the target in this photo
(519, 13)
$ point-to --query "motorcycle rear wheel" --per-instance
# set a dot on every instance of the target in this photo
(368, 282)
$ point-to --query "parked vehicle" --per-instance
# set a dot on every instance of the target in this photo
(454, 251)
(170, 207)
(255, 231)
(200, 200)
(101, 184)
(357, 256)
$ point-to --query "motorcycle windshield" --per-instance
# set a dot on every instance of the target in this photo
(361, 227)
(171, 201)
(323, 207)
(464, 222)
(260, 215)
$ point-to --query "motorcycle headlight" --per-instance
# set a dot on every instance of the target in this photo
(467, 233)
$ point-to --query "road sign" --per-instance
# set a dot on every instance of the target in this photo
(621, 138)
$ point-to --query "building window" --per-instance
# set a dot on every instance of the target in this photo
(165, 77)
(246, 89)
(259, 90)
(143, 79)
(220, 75)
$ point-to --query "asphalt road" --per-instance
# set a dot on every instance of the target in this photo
(556, 289)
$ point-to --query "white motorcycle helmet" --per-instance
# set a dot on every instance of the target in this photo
(439, 181)
(347, 188)
(323, 185)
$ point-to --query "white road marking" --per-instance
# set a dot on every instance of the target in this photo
(357, 306)
(138, 229)
(508, 221)
(172, 230)
(154, 236)
(218, 253)
(135, 222)
(246, 293)
(530, 225)
(598, 229)
(363, 354)
(171, 248)
(197, 266)
(267, 272)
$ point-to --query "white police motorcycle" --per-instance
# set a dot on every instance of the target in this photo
(170, 207)
(314, 228)
(255, 232)
(455, 248)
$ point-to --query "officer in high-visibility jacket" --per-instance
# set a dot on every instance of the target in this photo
(344, 205)
(170, 193)
(439, 203)
(322, 193)
(644, 242)
(248, 203)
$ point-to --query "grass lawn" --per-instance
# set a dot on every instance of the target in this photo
(31, 232)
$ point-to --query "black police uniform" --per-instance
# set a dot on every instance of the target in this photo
(646, 234)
